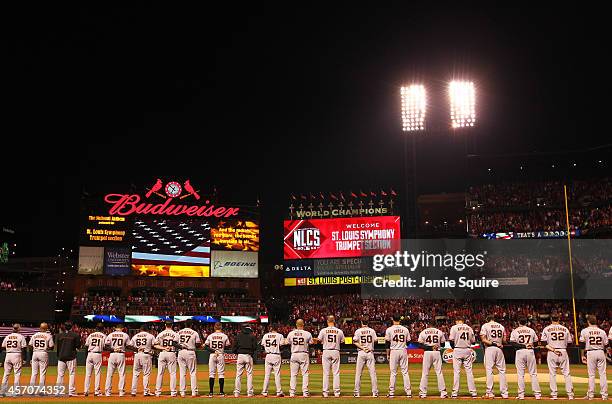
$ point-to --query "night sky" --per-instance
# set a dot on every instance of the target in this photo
(268, 99)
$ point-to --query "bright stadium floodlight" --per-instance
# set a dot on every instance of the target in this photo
(462, 103)
(413, 107)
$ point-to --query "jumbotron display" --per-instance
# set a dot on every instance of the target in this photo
(170, 229)
(336, 251)
(342, 237)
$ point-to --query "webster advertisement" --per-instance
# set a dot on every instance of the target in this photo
(342, 237)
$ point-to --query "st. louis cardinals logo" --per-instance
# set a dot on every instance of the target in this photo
(172, 189)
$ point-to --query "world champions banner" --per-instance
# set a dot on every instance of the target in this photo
(341, 237)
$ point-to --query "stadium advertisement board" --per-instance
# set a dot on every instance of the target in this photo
(117, 261)
(298, 268)
(170, 229)
(234, 264)
(341, 237)
(328, 280)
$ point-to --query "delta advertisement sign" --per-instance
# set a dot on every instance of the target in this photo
(341, 237)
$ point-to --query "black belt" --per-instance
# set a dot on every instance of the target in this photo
(123, 353)
(300, 352)
(592, 350)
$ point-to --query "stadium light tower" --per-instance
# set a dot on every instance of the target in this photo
(414, 108)
(414, 103)
(462, 103)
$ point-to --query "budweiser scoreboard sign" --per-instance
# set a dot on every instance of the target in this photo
(165, 230)
(342, 237)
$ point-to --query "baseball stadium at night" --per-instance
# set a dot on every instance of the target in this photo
(269, 202)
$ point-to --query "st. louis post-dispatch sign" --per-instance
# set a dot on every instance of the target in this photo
(341, 237)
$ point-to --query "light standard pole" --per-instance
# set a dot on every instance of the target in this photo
(462, 98)
(414, 106)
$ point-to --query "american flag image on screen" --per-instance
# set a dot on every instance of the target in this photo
(167, 242)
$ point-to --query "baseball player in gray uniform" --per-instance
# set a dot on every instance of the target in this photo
(271, 343)
(524, 339)
(431, 339)
(116, 341)
(299, 340)
(93, 363)
(167, 342)
(215, 344)
(595, 341)
(142, 343)
(556, 337)
(493, 336)
(461, 338)
(331, 337)
(397, 337)
(364, 339)
(41, 343)
(189, 340)
(15, 345)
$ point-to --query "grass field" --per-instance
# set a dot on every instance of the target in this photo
(579, 373)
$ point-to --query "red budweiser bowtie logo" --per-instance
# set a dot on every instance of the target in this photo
(128, 204)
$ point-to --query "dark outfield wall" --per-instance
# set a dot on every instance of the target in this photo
(27, 306)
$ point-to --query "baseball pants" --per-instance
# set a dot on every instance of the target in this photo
(40, 363)
(399, 357)
(62, 366)
(244, 363)
(463, 357)
(559, 362)
(596, 363)
(93, 363)
(331, 364)
(13, 362)
(216, 362)
(166, 360)
(494, 358)
(366, 359)
(142, 364)
(272, 365)
(299, 362)
(187, 363)
(116, 361)
(431, 359)
(525, 359)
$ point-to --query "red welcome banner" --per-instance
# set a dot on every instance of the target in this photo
(342, 237)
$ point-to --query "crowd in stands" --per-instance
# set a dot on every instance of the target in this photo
(18, 285)
(167, 303)
(539, 206)
(540, 194)
(440, 313)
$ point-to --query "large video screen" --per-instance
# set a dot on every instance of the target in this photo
(341, 237)
(171, 248)
(170, 228)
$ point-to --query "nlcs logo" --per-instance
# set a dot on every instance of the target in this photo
(306, 239)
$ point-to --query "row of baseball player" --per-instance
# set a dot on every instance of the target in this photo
(179, 347)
